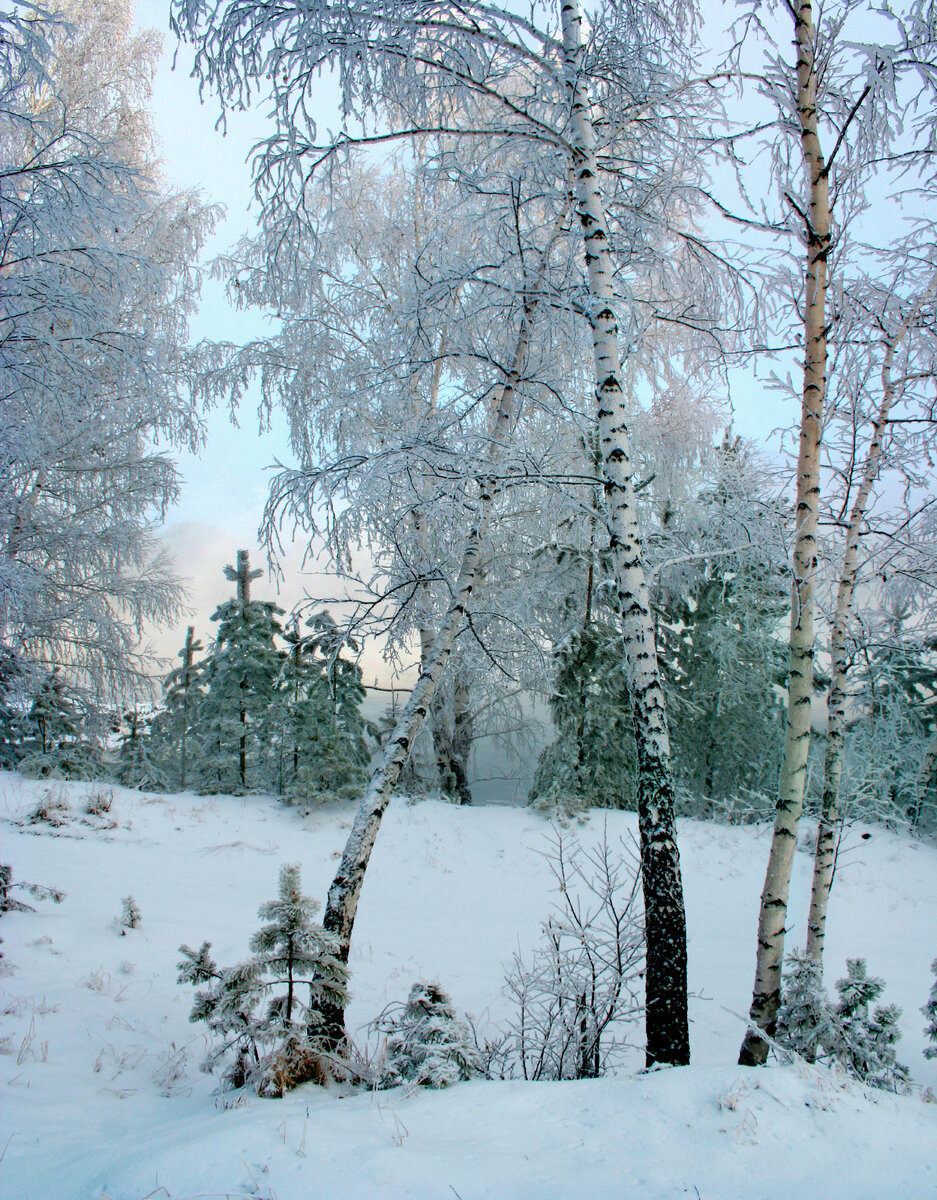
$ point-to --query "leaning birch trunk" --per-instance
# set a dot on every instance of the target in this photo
(836, 727)
(344, 893)
(665, 921)
(773, 912)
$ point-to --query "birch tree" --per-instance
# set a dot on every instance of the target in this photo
(889, 360)
(483, 80)
(840, 114)
(96, 286)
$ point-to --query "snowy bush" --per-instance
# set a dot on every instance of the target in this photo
(852, 1033)
(427, 1045)
(930, 1011)
(264, 1013)
(583, 983)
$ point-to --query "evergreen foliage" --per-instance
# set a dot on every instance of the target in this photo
(722, 659)
(891, 745)
(264, 1013)
(930, 1012)
(56, 742)
(323, 752)
(427, 1045)
(591, 762)
(865, 1037)
(13, 675)
(135, 767)
(9, 903)
(851, 1032)
(804, 1018)
(173, 733)
(241, 673)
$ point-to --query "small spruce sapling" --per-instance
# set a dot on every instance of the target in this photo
(930, 1011)
(804, 1018)
(852, 1033)
(265, 1012)
(129, 914)
(866, 1037)
(9, 903)
(427, 1044)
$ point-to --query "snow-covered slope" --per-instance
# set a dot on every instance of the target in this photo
(101, 1094)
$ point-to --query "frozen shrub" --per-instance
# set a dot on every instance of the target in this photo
(99, 804)
(427, 1044)
(583, 984)
(52, 809)
(265, 1012)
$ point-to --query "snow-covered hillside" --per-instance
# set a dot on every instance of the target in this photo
(102, 1096)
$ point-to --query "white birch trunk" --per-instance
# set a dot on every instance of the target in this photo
(666, 1015)
(773, 913)
(836, 727)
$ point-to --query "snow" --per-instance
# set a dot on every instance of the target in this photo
(102, 1097)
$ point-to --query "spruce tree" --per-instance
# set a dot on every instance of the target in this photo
(427, 1044)
(266, 1012)
(173, 733)
(135, 766)
(12, 685)
(322, 734)
(241, 674)
(723, 662)
(56, 740)
(591, 762)
(930, 1011)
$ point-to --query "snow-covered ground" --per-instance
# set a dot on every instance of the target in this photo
(102, 1097)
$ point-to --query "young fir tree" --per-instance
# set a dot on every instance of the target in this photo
(323, 751)
(852, 1033)
(865, 1037)
(173, 733)
(12, 680)
(804, 1018)
(241, 673)
(891, 743)
(266, 1012)
(135, 766)
(591, 762)
(427, 1044)
(722, 660)
(56, 742)
(930, 1012)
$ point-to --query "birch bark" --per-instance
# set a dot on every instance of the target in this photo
(666, 972)
(774, 897)
(836, 726)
